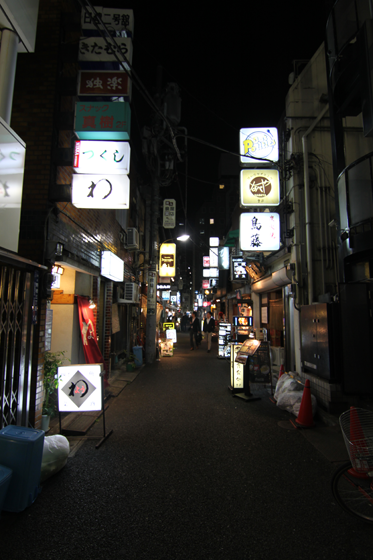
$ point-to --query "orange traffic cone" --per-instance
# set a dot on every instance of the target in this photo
(282, 370)
(305, 416)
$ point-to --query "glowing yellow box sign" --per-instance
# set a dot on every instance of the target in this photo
(167, 326)
(167, 260)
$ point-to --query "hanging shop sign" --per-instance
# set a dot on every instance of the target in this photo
(214, 241)
(119, 23)
(12, 162)
(206, 262)
(102, 157)
(104, 83)
(169, 213)
(112, 267)
(205, 284)
(238, 268)
(223, 258)
(210, 273)
(102, 121)
(259, 187)
(259, 231)
(257, 144)
(152, 293)
(167, 259)
(214, 257)
(100, 191)
(80, 388)
(97, 49)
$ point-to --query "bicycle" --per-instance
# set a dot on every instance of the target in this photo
(352, 483)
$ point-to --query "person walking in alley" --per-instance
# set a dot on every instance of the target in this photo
(195, 330)
(208, 328)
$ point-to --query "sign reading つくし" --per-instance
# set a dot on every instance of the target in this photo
(259, 187)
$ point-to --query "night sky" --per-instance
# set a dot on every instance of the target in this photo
(232, 67)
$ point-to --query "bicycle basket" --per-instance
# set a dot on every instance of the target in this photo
(357, 429)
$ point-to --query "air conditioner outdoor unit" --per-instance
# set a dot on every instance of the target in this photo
(132, 238)
(131, 293)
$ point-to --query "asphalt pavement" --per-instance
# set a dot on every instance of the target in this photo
(190, 472)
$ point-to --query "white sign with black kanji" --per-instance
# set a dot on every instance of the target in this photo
(80, 388)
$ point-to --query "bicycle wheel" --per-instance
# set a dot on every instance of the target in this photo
(353, 494)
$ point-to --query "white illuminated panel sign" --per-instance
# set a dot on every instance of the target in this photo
(115, 19)
(214, 257)
(257, 143)
(210, 273)
(101, 191)
(112, 267)
(214, 241)
(167, 260)
(12, 162)
(259, 231)
(80, 388)
(99, 156)
(96, 49)
(237, 369)
(259, 187)
(223, 258)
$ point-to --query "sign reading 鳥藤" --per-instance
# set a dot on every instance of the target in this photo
(100, 191)
(259, 231)
(117, 21)
(104, 83)
(102, 157)
(257, 144)
(97, 49)
(259, 187)
(102, 121)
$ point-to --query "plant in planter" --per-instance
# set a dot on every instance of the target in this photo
(130, 359)
(50, 383)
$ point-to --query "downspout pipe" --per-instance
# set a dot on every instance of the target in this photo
(307, 203)
(8, 62)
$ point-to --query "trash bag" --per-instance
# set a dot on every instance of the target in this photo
(291, 400)
(284, 384)
(55, 453)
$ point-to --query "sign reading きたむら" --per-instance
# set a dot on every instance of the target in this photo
(80, 388)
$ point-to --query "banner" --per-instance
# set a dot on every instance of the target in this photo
(92, 353)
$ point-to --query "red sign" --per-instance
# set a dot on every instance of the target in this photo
(98, 82)
(92, 353)
(205, 284)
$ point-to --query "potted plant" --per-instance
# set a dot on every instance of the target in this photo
(130, 358)
(50, 383)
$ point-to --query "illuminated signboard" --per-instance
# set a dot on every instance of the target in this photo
(102, 157)
(167, 259)
(169, 213)
(80, 388)
(12, 162)
(238, 268)
(214, 257)
(237, 369)
(210, 273)
(259, 231)
(100, 191)
(205, 284)
(206, 262)
(259, 187)
(112, 267)
(223, 261)
(104, 83)
(102, 120)
(116, 20)
(257, 143)
(214, 241)
(96, 49)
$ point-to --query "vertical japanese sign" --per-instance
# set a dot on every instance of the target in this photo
(167, 260)
(169, 213)
(152, 292)
(259, 231)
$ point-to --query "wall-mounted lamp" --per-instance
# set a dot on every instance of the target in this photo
(344, 236)
(92, 304)
(58, 269)
(59, 249)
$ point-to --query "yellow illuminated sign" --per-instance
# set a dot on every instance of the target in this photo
(259, 187)
(167, 260)
(167, 326)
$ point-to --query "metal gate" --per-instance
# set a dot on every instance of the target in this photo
(18, 307)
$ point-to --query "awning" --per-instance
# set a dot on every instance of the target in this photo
(278, 279)
(230, 240)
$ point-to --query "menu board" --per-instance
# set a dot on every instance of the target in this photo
(248, 348)
(259, 364)
(225, 335)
